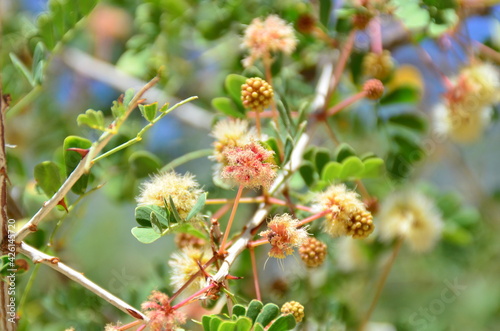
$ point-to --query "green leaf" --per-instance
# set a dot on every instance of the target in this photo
(307, 172)
(325, 8)
(258, 327)
(19, 65)
(288, 148)
(321, 158)
(373, 167)
(269, 312)
(144, 163)
(410, 120)
(118, 109)
(254, 309)
(239, 310)
(343, 151)
(285, 322)
(215, 322)
(143, 215)
(351, 167)
(404, 94)
(227, 107)
(205, 321)
(233, 84)
(174, 210)
(145, 235)
(48, 177)
(157, 226)
(285, 115)
(128, 96)
(243, 323)
(273, 145)
(190, 229)
(93, 119)
(149, 111)
(331, 171)
(38, 64)
(72, 159)
(198, 206)
(227, 326)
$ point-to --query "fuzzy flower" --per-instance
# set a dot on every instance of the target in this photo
(265, 36)
(348, 215)
(283, 235)
(183, 189)
(466, 108)
(185, 263)
(162, 316)
(378, 66)
(349, 255)
(413, 217)
(250, 165)
(231, 133)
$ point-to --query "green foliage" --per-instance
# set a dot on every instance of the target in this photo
(256, 316)
(48, 177)
(149, 111)
(72, 159)
(93, 119)
(61, 18)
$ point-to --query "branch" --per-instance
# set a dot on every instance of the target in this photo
(5, 298)
(39, 257)
(82, 168)
(241, 244)
(105, 72)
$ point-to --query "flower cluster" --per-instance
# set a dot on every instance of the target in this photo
(183, 189)
(256, 94)
(348, 215)
(378, 66)
(466, 108)
(265, 36)
(161, 314)
(250, 165)
(413, 217)
(313, 252)
(294, 308)
(283, 235)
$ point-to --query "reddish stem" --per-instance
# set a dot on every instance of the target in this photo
(375, 31)
(257, 122)
(313, 217)
(268, 114)
(231, 218)
(255, 274)
(280, 202)
(130, 325)
(256, 243)
(219, 213)
(345, 103)
(344, 55)
(258, 199)
(192, 297)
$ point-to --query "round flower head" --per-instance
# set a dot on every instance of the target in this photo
(250, 165)
(231, 133)
(265, 36)
(283, 235)
(466, 108)
(378, 66)
(294, 308)
(186, 263)
(161, 315)
(348, 215)
(413, 217)
(313, 252)
(183, 189)
(349, 255)
(256, 94)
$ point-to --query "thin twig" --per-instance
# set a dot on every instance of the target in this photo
(53, 262)
(255, 273)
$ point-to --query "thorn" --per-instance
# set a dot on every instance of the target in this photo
(231, 277)
(63, 204)
(134, 314)
(55, 260)
(33, 228)
(83, 152)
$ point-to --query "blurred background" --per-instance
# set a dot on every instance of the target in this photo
(196, 44)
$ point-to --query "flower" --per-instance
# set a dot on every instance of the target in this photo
(349, 255)
(283, 235)
(256, 94)
(250, 165)
(378, 66)
(186, 263)
(466, 107)
(294, 308)
(412, 216)
(348, 215)
(161, 315)
(231, 133)
(183, 189)
(313, 252)
(374, 89)
(271, 35)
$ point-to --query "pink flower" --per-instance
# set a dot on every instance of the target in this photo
(162, 316)
(271, 35)
(283, 235)
(250, 165)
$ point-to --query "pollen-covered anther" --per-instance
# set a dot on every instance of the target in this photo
(313, 252)
(256, 94)
(374, 89)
